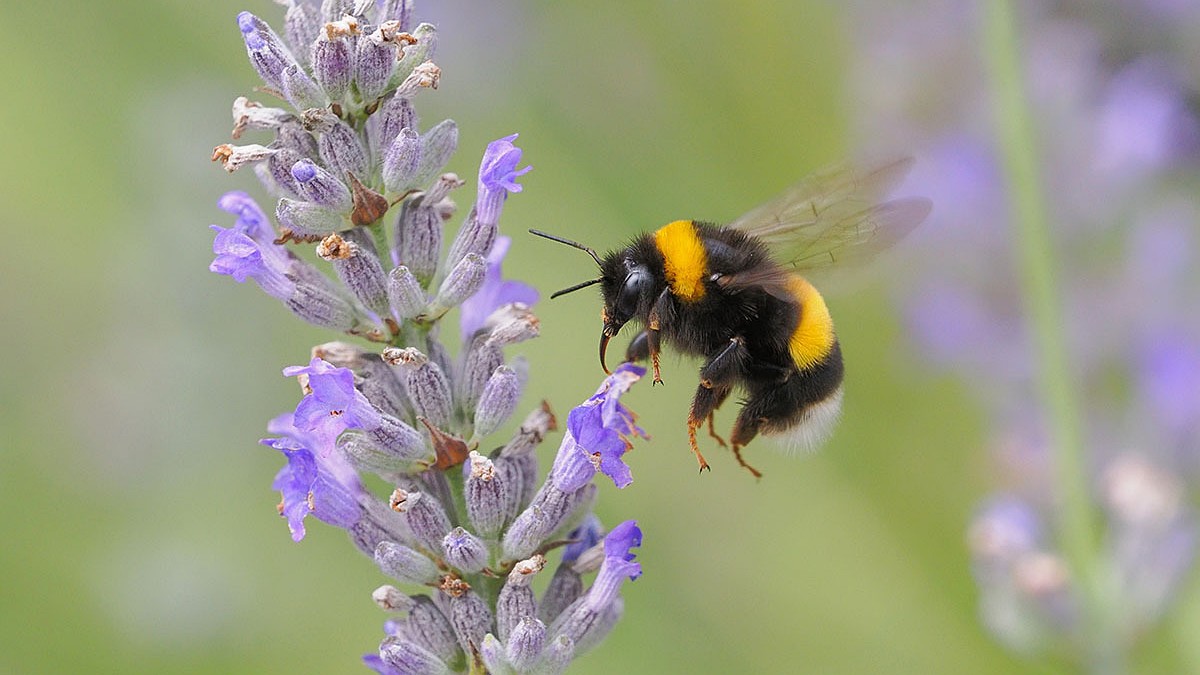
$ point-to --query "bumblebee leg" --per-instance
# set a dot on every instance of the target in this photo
(725, 366)
(713, 432)
(653, 326)
(749, 421)
(703, 404)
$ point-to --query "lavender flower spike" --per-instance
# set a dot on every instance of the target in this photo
(355, 176)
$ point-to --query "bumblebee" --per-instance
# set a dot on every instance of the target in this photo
(735, 296)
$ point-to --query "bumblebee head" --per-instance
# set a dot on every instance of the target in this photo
(624, 284)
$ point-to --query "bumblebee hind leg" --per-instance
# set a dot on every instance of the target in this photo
(706, 400)
(749, 421)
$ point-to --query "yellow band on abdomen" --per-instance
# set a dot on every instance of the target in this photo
(684, 259)
(813, 338)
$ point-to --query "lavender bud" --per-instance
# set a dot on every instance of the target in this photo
(519, 476)
(234, 157)
(402, 440)
(359, 270)
(525, 644)
(321, 187)
(425, 76)
(437, 145)
(384, 126)
(279, 165)
(471, 620)
(480, 361)
(320, 307)
(300, 90)
(410, 659)
(300, 28)
(498, 401)
(549, 510)
(267, 53)
(440, 190)
(428, 627)
(475, 237)
(405, 294)
(516, 601)
(510, 324)
(566, 586)
(331, 60)
(425, 516)
(492, 653)
(377, 524)
(399, 11)
(431, 394)
(402, 161)
(418, 239)
(416, 54)
(340, 148)
(486, 496)
(534, 428)
(404, 564)
(557, 656)
(308, 219)
(375, 63)
(392, 599)
(461, 283)
(293, 135)
(249, 114)
(464, 551)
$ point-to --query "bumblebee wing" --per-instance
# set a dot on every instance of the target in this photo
(837, 215)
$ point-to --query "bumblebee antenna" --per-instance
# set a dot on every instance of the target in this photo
(585, 284)
(572, 244)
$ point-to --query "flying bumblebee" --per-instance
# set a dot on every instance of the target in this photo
(734, 295)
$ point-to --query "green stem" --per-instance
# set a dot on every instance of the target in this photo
(1035, 259)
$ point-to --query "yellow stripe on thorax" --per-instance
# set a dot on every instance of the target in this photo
(813, 338)
(684, 258)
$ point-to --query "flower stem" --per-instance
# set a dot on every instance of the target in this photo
(1077, 531)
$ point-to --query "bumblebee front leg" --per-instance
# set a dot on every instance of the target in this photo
(653, 326)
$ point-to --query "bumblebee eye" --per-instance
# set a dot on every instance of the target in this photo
(631, 292)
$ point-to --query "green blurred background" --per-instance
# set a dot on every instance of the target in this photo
(139, 532)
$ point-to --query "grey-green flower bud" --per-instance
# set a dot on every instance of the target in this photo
(498, 401)
(461, 283)
(525, 644)
(331, 59)
(306, 218)
(409, 658)
(392, 599)
(301, 90)
(556, 657)
(494, 659)
(437, 145)
(405, 293)
(485, 496)
(424, 515)
(320, 186)
(402, 161)
(404, 564)
(418, 241)
(376, 60)
(464, 551)
(428, 627)
(516, 601)
(565, 588)
(471, 620)
(340, 148)
(359, 269)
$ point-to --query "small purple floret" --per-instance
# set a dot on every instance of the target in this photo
(617, 543)
(499, 171)
(334, 404)
(601, 427)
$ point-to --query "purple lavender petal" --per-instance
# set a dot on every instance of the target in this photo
(599, 427)
(236, 255)
(334, 404)
(307, 486)
(497, 177)
(495, 292)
